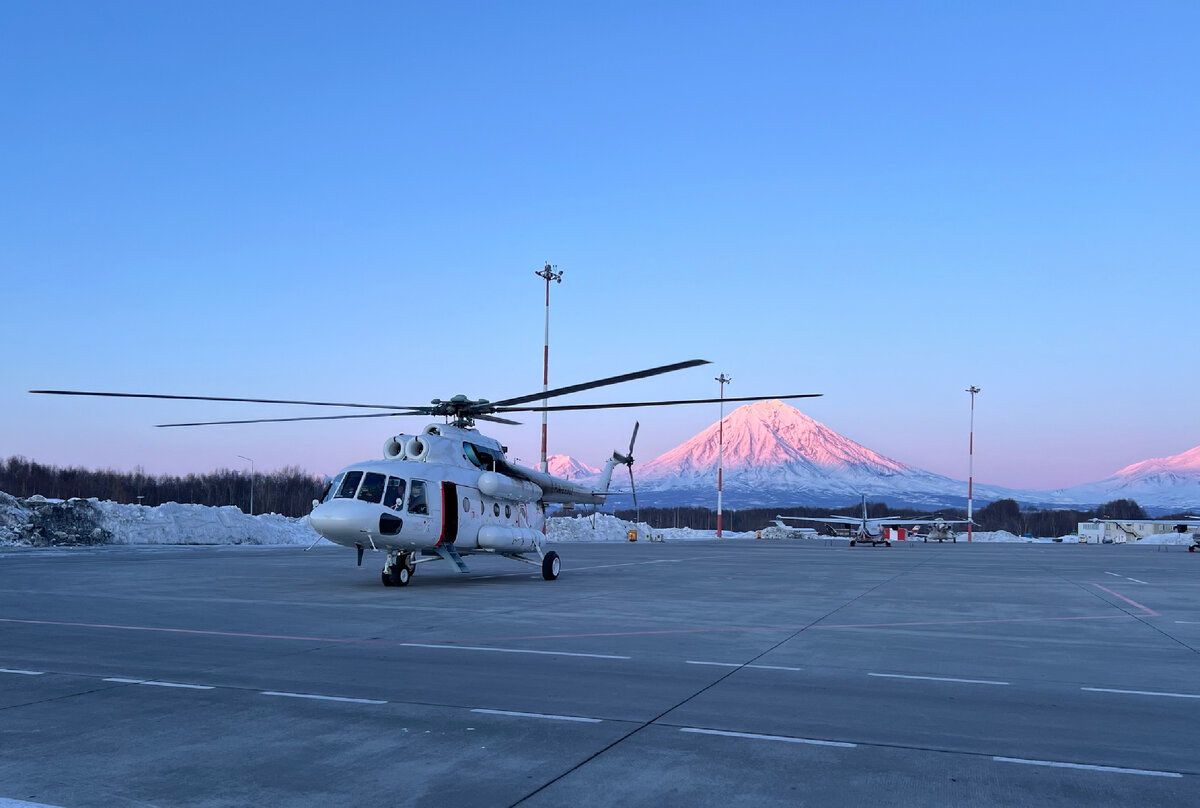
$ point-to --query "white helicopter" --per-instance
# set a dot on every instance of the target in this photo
(870, 531)
(448, 491)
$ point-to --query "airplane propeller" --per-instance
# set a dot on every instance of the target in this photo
(461, 410)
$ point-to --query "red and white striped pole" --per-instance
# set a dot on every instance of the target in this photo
(971, 460)
(724, 380)
(550, 275)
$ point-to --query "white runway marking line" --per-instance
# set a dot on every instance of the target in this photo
(1141, 692)
(756, 737)
(22, 673)
(510, 650)
(321, 698)
(1113, 769)
(547, 716)
(938, 679)
(159, 684)
(1126, 577)
(740, 665)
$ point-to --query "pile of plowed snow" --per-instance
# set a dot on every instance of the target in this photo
(39, 522)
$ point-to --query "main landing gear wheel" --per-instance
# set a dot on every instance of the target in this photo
(551, 564)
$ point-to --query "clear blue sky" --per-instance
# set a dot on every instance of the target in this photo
(881, 202)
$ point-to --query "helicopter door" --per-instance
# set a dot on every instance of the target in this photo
(449, 513)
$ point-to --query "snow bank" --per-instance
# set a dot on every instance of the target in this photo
(606, 527)
(39, 522)
(1171, 538)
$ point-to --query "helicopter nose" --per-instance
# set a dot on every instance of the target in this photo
(343, 521)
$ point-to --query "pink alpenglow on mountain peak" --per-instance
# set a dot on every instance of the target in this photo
(1187, 463)
(561, 465)
(769, 434)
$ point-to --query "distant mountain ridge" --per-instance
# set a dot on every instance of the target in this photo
(775, 455)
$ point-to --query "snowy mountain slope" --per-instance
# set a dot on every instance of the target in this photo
(1169, 484)
(775, 455)
(566, 466)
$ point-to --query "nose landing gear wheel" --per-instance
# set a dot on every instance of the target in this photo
(551, 564)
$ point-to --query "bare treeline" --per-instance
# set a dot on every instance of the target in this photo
(288, 491)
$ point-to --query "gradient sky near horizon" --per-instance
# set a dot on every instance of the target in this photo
(880, 202)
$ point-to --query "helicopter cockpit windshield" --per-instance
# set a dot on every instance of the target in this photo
(370, 486)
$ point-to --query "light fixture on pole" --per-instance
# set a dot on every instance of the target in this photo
(971, 461)
(243, 457)
(550, 275)
(724, 380)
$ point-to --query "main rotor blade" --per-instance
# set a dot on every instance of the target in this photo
(495, 419)
(560, 407)
(310, 418)
(225, 398)
(575, 388)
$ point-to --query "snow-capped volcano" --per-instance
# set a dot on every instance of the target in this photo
(766, 434)
(773, 454)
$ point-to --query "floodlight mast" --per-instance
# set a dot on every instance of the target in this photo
(550, 275)
(724, 380)
(971, 461)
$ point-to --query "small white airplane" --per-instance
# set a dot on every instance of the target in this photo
(448, 491)
(866, 530)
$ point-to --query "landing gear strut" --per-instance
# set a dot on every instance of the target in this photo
(399, 569)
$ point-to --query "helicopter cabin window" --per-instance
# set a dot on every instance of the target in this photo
(466, 505)
(478, 456)
(349, 485)
(416, 498)
(393, 497)
(332, 488)
(496, 508)
(372, 487)
(508, 512)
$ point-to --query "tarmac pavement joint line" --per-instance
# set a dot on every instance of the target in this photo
(21, 673)
(548, 716)
(756, 737)
(159, 684)
(937, 679)
(1142, 692)
(1088, 767)
(321, 698)
(510, 650)
(740, 665)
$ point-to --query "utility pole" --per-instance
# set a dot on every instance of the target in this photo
(550, 275)
(971, 460)
(724, 380)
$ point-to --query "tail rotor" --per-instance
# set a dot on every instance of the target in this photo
(627, 460)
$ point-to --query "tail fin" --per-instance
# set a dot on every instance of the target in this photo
(619, 459)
